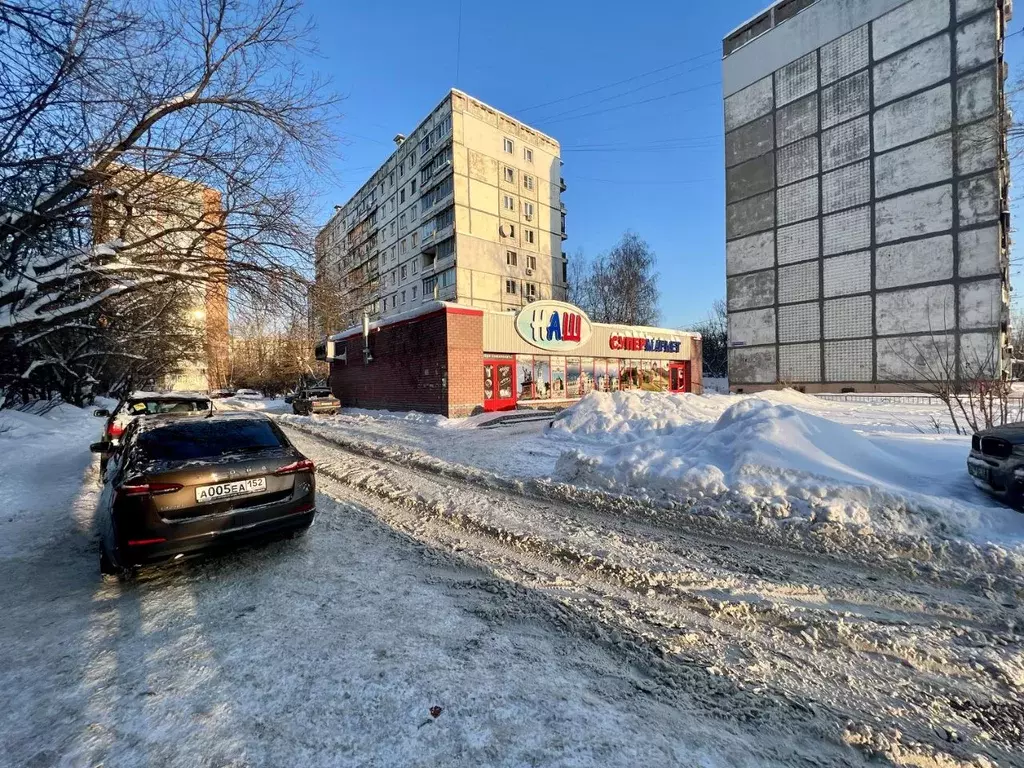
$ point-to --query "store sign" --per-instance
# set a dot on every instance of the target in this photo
(644, 344)
(553, 325)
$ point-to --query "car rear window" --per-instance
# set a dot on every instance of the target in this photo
(155, 407)
(321, 393)
(203, 439)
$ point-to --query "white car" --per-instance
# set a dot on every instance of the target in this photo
(248, 394)
(150, 404)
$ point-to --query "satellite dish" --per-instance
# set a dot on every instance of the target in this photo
(503, 230)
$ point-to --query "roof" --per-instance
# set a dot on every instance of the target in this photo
(427, 308)
(144, 395)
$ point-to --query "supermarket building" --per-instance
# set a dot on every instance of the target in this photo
(458, 360)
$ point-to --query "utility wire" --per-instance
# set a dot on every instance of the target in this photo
(619, 82)
(717, 83)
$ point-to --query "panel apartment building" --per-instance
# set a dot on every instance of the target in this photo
(866, 194)
(467, 209)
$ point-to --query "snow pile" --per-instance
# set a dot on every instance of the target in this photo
(272, 404)
(778, 461)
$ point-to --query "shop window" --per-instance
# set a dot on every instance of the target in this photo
(613, 375)
(524, 376)
(600, 376)
(558, 389)
(572, 377)
(541, 378)
(586, 376)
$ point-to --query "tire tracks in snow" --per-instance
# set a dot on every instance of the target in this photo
(894, 664)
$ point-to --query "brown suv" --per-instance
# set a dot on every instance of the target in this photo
(180, 487)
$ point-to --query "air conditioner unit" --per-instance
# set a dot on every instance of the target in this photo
(528, 217)
(529, 271)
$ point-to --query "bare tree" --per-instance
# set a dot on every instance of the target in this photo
(714, 333)
(620, 286)
(145, 149)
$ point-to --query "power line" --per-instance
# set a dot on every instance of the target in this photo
(618, 82)
(717, 83)
(644, 182)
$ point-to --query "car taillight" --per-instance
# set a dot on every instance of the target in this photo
(305, 465)
(115, 430)
(147, 489)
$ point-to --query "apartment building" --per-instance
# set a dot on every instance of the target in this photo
(467, 210)
(867, 220)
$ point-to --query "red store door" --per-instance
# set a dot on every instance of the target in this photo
(679, 377)
(499, 385)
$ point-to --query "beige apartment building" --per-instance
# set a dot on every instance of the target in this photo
(467, 209)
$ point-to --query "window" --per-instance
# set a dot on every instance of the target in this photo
(414, 293)
(391, 179)
(403, 246)
(531, 262)
(510, 175)
(401, 221)
(510, 258)
(394, 277)
(415, 269)
(510, 286)
(527, 181)
(446, 248)
(392, 227)
(394, 253)
(412, 212)
(528, 234)
(415, 238)
(382, 195)
(401, 196)
(392, 206)
(412, 162)
(528, 154)
(405, 272)
(508, 146)
(401, 169)
(528, 209)
(412, 187)
(531, 290)
(394, 301)
(509, 203)
(403, 297)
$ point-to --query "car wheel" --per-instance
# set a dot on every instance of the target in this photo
(112, 573)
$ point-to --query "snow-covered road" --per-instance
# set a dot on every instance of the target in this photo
(919, 663)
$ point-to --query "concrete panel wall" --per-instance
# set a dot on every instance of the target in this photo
(847, 231)
(755, 365)
(750, 216)
(981, 304)
(749, 141)
(798, 201)
(848, 187)
(915, 358)
(844, 56)
(885, 221)
(914, 214)
(849, 360)
(846, 143)
(919, 261)
(846, 99)
(752, 328)
(847, 274)
(797, 120)
(800, 362)
(753, 177)
(916, 165)
(750, 253)
(913, 119)
(979, 353)
(980, 252)
(923, 65)
(848, 318)
(756, 289)
(799, 322)
(908, 24)
(915, 310)
(798, 242)
(799, 282)
(753, 101)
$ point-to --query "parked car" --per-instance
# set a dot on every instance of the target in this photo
(149, 404)
(220, 394)
(316, 400)
(248, 394)
(178, 488)
(996, 463)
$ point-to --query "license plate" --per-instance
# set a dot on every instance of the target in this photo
(979, 471)
(207, 493)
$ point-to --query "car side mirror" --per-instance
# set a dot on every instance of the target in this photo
(100, 447)
(102, 412)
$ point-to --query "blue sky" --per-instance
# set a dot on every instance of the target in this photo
(644, 155)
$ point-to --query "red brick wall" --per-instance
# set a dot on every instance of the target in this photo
(432, 363)
(465, 361)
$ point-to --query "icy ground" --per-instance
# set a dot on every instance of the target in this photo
(554, 624)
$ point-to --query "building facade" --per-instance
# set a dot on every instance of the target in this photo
(867, 215)
(458, 360)
(467, 209)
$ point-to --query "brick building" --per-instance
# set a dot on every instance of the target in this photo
(457, 360)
